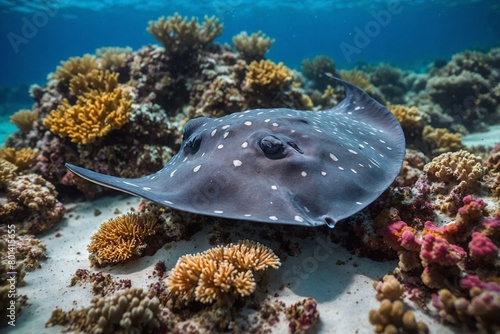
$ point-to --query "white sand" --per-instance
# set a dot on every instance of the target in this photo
(344, 292)
(489, 138)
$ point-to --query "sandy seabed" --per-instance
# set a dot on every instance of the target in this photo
(344, 292)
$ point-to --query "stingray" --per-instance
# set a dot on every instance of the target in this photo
(278, 165)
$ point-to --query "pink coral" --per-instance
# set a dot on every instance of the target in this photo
(472, 281)
(438, 250)
(482, 249)
(392, 233)
(492, 227)
(409, 241)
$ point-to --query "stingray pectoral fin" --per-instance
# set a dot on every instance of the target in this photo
(132, 186)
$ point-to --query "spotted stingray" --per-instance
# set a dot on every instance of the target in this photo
(278, 165)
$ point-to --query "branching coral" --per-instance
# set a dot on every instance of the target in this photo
(131, 311)
(410, 118)
(24, 119)
(357, 78)
(22, 158)
(101, 81)
(122, 238)
(93, 116)
(268, 75)
(181, 36)
(74, 66)
(7, 172)
(222, 273)
(315, 69)
(252, 47)
(113, 58)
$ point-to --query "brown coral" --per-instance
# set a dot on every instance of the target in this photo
(122, 238)
(74, 66)
(266, 74)
(410, 118)
(7, 171)
(93, 116)
(461, 166)
(131, 311)
(221, 273)
(392, 318)
(389, 288)
(252, 47)
(441, 140)
(24, 119)
(101, 81)
(181, 36)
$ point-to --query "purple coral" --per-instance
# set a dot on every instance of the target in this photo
(482, 249)
(473, 281)
(438, 250)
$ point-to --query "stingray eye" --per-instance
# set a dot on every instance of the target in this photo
(193, 143)
(191, 126)
(272, 146)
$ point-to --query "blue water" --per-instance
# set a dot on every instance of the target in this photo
(415, 35)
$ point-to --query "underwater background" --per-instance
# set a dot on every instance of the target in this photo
(110, 85)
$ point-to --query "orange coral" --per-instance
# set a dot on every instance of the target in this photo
(122, 238)
(74, 66)
(268, 74)
(93, 116)
(409, 118)
(221, 273)
(22, 158)
(102, 81)
(24, 119)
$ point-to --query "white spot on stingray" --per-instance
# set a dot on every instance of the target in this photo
(333, 157)
(298, 219)
(220, 146)
(197, 168)
(218, 211)
(354, 171)
(307, 210)
(225, 127)
(173, 172)
(273, 187)
(185, 159)
(357, 108)
(267, 120)
(349, 113)
(275, 124)
(260, 113)
(146, 188)
(168, 202)
(248, 123)
(244, 145)
(389, 148)
(318, 130)
(248, 215)
(213, 132)
(359, 203)
(131, 184)
(361, 165)
(237, 163)
(323, 173)
(203, 154)
(361, 146)
(273, 217)
(381, 155)
(341, 168)
(352, 151)
(303, 173)
(380, 140)
(226, 134)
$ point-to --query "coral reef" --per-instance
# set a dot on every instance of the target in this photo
(392, 318)
(22, 158)
(131, 311)
(267, 75)
(24, 119)
(389, 288)
(93, 116)
(113, 59)
(183, 37)
(252, 47)
(314, 69)
(74, 66)
(30, 202)
(95, 80)
(222, 273)
(358, 78)
(122, 238)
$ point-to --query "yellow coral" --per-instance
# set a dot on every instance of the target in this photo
(252, 47)
(24, 119)
(268, 74)
(220, 273)
(22, 158)
(461, 166)
(180, 35)
(93, 116)
(101, 81)
(121, 238)
(74, 66)
(357, 78)
(409, 118)
(441, 140)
